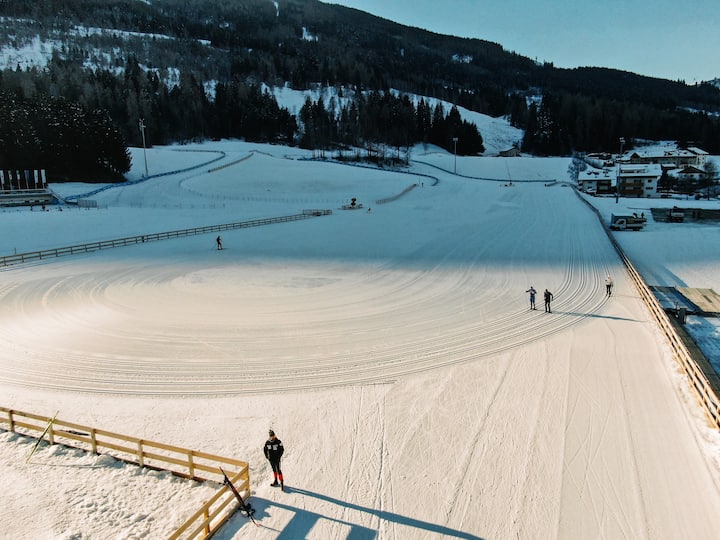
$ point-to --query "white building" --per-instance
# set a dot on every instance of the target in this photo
(596, 181)
(669, 158)
(639, 180)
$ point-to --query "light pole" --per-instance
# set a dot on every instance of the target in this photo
(617, 177)
(142, 130)
(455, 140)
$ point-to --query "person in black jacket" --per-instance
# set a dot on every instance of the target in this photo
(273, 450)
(548, 299)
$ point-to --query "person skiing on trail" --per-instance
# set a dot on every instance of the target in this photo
(273, 450)
(548, 298)
(219, 242)
(532, 292)
(608, 285)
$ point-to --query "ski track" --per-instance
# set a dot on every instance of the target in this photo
(117, 342)
(470, 456)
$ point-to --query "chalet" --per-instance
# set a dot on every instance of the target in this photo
(668, 159)
(510, 152)
(596, 181)
(689, 173)
(638, 180)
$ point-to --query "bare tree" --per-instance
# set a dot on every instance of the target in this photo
(709, 176)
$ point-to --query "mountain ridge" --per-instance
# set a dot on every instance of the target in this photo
(164, 61)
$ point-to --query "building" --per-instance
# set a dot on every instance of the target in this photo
(669, 159)
(510, 152)
(689, 173)
(596, 181)
(638, 180)
(24, 188)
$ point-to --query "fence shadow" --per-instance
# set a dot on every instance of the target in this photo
(303, 520)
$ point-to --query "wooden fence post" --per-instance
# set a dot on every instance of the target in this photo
(191, 464)
(93, 441)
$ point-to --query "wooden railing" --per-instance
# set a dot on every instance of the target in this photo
(706, 386)
(705, 390)
(214, 513)
(190, 464)
(20, 258)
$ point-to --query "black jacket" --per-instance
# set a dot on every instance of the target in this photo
(273, 449)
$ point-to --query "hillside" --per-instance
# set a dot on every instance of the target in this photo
(192, 71)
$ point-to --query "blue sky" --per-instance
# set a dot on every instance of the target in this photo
(660, 38)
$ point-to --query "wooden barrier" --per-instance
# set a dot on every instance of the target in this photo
(707, 391)
(190, 464)
(21, 258)
(214, 513)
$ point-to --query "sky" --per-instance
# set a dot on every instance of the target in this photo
(658, 38)
(391, 348)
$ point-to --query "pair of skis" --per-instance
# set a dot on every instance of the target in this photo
(245, 507)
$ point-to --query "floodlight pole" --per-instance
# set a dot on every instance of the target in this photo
(455, 140)
(142, 130)
(617, 177)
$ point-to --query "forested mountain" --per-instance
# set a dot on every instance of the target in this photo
(194, 69)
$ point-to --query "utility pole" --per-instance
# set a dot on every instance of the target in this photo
(142, 130)
(617, 177)
(455, 140)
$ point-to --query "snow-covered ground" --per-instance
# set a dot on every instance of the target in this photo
(392, 350)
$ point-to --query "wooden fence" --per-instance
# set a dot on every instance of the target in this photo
(190, 464)
(20, 258)
(705, 385)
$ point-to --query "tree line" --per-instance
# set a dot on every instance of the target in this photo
(564, 123)
(83, 132)
(69, 142)
(193, 69)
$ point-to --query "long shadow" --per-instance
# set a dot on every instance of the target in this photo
(594, 315)
(303, 521)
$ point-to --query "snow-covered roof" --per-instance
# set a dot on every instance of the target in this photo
(594, 175)
(642, 170)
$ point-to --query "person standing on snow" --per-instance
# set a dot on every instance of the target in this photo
(219, 242)
(532, 292)
(273, 450)
(548, 298)
(608, 285)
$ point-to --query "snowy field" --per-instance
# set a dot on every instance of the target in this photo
(392, 350)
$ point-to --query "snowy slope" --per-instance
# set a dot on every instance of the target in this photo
(392, 351)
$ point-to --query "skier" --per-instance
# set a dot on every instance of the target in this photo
(532, 292)
(548, 299)
(273, 450)
(608, 285)
(219, 242)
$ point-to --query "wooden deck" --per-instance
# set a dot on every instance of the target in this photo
(695, 301)
(671, 300)
(707, 300)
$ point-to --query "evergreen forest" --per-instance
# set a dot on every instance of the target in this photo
(197, 69)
